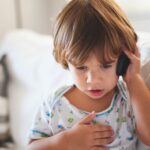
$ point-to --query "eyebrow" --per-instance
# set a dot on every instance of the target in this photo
(112, 61)
(109, 62)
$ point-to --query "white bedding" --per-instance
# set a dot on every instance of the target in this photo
(33, 73)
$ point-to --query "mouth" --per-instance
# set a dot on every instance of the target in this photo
(96, 92)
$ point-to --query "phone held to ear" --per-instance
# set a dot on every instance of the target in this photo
(122, 64)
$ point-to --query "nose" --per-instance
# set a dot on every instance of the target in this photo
(93, 77)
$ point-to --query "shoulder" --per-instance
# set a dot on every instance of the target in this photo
(50, 104)
(56, 96)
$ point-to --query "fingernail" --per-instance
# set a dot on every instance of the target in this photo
(93, 112)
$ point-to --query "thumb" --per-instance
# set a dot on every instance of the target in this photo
(88, 119)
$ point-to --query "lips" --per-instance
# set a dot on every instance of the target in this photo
(96, 92)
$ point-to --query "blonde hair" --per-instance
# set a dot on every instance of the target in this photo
(85, 24)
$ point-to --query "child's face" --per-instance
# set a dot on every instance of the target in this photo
(93, 78)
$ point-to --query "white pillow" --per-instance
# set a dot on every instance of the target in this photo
(34, 74)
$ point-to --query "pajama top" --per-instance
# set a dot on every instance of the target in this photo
(57, 114)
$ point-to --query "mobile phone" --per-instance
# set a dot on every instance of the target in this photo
(122, 64)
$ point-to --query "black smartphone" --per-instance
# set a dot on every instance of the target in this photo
(122, 64)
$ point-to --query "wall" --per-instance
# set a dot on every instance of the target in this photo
(7, 16)
(34, 15)
(138, 12)
(38, 15)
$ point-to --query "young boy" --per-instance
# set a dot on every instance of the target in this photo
(90, 36)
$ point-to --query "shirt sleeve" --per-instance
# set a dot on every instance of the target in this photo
(40, 127)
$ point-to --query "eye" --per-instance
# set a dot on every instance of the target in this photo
(81, 68)
(106, 66)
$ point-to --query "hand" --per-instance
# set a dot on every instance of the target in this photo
(134, 66)
(86, 136)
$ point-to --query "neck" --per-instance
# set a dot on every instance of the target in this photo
(84, 102)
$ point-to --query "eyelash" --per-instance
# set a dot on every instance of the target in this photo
(106, 66)
(81, 68)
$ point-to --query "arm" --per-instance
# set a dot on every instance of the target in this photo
(140, 98)
(56, 142)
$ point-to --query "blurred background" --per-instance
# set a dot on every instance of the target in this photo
(38, 15)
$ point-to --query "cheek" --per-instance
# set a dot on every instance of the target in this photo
(112, 71)
(77, 77)
(80, 79)
(112, 78)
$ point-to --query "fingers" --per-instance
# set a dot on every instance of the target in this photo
(97, 135)
(129, 54)
(100, 148)
(132, 56)
(103, 141)
(88, 119)
(137, 52)
(104, 134)
(134, 60)
(101, 127)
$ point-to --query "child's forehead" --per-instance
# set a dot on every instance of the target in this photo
(97, 54)
(94, 57)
